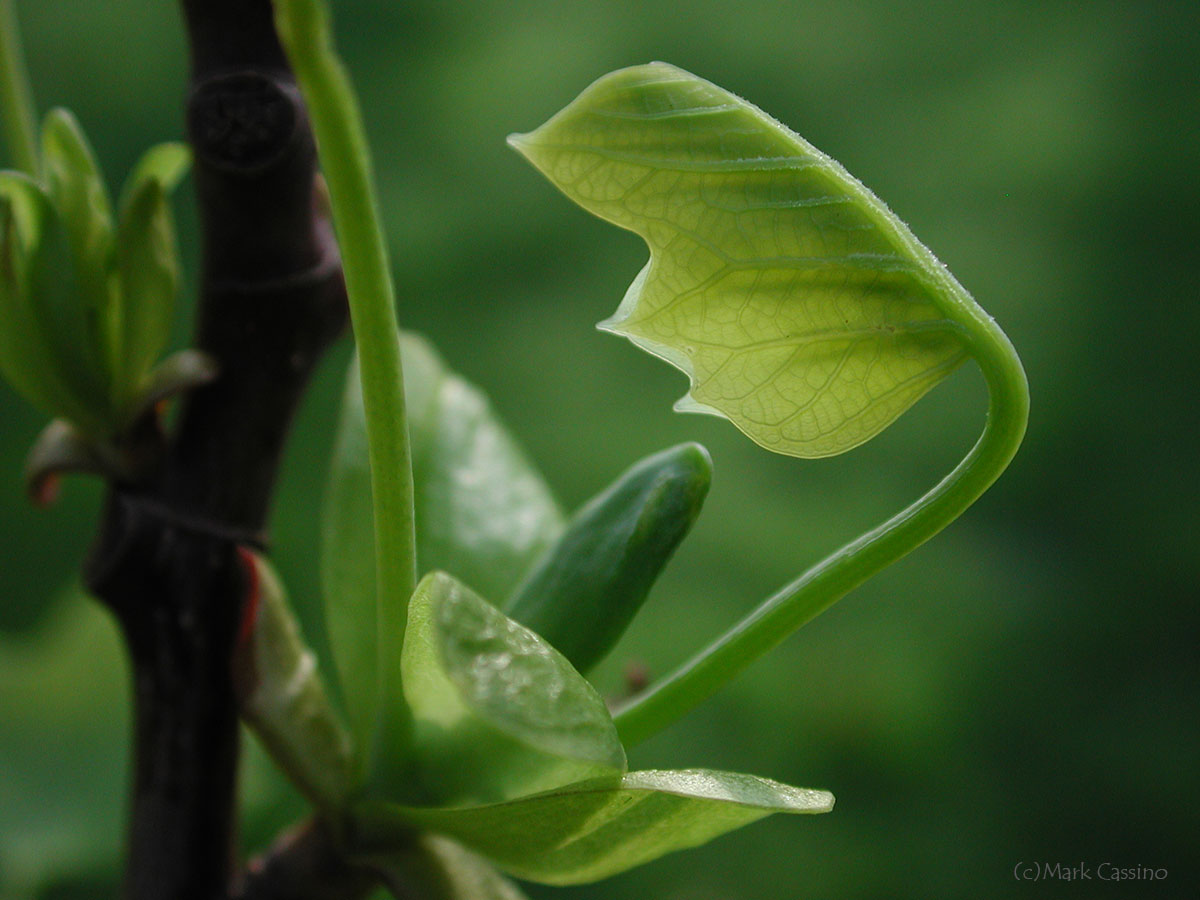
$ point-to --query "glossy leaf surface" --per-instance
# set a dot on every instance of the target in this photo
(798, 305)
(483, 513)
(498, 712)
(584, 593)
(588, 831)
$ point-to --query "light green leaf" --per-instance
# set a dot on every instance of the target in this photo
(798, 305)
(439, 869)
(165, 163)
(35, 272)
(149, 275)
(483, 512)
(282, 697)
(497, 711)
(588, 831)
(79, 196)
(584, 593)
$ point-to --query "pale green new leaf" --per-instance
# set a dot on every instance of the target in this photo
(79, 196)
(497, 711)
(798, 305)
(483, 512)
(149, 275)
(165, 163)
(33, 261)
(591, 830)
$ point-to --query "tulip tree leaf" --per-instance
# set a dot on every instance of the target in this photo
(149, 277)
(38, 321)
(483, 513)
(77, 190)
(591, 830)
(497, 711)
(582, 595)
(165, 163)
(798, 305)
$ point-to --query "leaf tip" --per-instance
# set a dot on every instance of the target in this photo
(520, 141)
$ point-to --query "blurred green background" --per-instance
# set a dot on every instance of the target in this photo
(1023, 688)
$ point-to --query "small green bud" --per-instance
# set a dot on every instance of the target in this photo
(584, 593)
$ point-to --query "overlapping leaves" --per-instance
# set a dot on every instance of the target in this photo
(514, 757)
(86, 297)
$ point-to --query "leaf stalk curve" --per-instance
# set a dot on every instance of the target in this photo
(828, 581)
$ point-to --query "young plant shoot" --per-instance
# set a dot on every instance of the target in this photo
(800, 308)
(461, 739)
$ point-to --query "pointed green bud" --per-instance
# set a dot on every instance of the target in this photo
(584, 593)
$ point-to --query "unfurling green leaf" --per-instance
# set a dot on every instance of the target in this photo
(85, 307)
(583, 594)
(497, 711)
(149, 274)
(282, 697)
(165, 163)
(591, 830)
(798, 305)
(147, 263)
(79, 196)
(44, 345)
(483, 513)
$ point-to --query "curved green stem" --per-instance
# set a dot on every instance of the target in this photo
(16, 98)
(304, 28)
(821, 586)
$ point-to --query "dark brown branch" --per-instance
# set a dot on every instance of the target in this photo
(271, 301)
(304, 865)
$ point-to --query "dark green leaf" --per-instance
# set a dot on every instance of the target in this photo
(588, 831)
(584, 593)
(482, 511)
(498, 712)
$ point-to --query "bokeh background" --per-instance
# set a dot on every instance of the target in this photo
(1024, 687)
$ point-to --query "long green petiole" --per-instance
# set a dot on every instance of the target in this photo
(304, 28)
(828, 581)
(16, 98)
